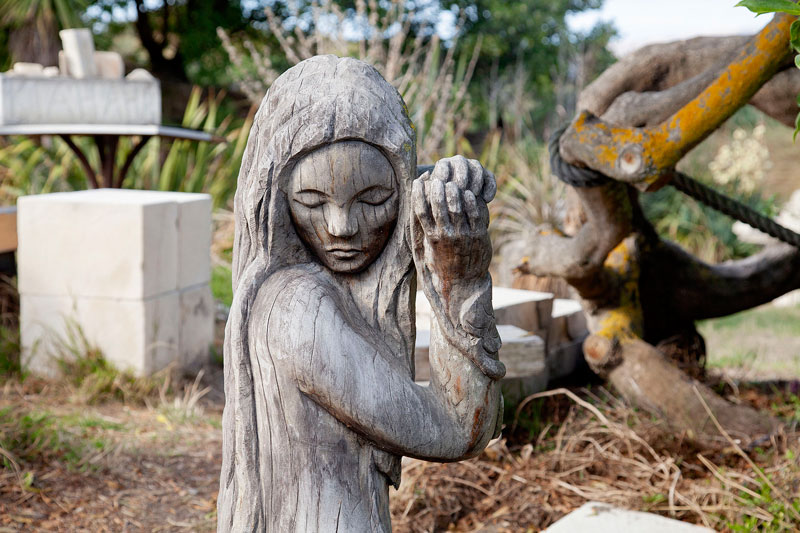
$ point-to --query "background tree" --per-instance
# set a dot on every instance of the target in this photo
(29, 29)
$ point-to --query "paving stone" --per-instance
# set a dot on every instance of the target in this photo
(596, 517)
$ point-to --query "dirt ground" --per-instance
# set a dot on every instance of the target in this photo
(154, 466)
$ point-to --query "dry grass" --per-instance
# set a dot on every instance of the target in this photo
(601, 450)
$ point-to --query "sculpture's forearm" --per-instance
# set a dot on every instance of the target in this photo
(339, 369)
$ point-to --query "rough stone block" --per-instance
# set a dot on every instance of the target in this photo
(596, 517)
(101, 243)
(137, 335)
(78, 47)
(109, 65)
(64, 100)
(196, 326)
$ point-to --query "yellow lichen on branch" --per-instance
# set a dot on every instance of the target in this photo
(644, 156)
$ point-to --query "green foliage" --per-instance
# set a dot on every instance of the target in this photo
(93, 377)
(760, 7)
(700, 229)
(221, 285)
(530, 41)
(781, 6)
(33, 435)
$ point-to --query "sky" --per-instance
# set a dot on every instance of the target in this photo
(641, 22)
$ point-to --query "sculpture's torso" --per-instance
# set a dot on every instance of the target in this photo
(340, 480)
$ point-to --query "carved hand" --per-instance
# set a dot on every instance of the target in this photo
(450, 204)
(452, 251)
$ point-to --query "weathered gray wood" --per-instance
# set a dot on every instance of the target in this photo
(319, 372)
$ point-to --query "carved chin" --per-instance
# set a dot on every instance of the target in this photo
(348, 262)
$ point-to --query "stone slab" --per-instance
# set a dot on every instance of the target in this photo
(64, 100)
(527, 310)
(567, 322)
(8, 229)
(197, 310)
(102, 243)
(137, 335)
(522, 353)
(596, 517)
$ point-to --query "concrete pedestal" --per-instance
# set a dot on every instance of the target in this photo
(130, 268)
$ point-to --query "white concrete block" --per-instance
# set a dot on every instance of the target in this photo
(596, 517)
(194, 239)
(65, 100)
(137, 335)
(196, 326)
(101, 243)
(78, 45)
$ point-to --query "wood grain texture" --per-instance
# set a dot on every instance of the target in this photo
(320, 397)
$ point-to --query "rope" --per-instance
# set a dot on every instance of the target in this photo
(586, 177)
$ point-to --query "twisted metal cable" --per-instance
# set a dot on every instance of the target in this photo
(586, 177)
(733, 208)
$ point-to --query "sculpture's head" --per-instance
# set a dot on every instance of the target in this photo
(344, 203)
(326, 176)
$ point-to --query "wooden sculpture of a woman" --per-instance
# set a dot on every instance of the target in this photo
(331, 230)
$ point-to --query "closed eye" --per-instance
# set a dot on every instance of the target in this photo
(310, 198)
(375, 195)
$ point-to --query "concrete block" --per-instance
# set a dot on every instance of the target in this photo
(197, 311)
(65, 100)
(596, 517)
(527, 310)
(78, 47)
(101, 243)
(194, 238)
(137, 335)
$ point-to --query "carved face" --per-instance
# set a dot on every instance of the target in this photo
(344, 204)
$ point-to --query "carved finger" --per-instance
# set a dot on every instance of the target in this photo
(441, 171)
(453, 195)
(489, 186)
(476, 176)
(461, 173)
(471, 210)
(421, 208)
(438, 199)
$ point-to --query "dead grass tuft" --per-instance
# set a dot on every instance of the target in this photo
(601, 451)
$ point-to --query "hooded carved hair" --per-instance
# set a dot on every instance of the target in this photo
(319, 101)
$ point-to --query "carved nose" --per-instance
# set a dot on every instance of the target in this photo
(340, 223)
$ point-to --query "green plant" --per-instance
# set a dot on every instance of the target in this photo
(221, 286)
(94, 378)
(759, 7)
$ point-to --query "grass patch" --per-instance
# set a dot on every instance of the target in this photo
(221, 284)
(93, 378)
(760, 343)
(41, 436)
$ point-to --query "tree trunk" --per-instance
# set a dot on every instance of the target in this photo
(634, 123)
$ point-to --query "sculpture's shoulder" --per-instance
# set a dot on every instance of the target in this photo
(292, 300)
